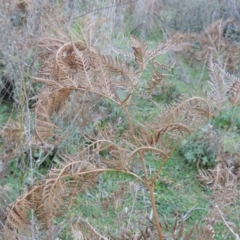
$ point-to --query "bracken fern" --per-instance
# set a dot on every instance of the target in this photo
(68, 66)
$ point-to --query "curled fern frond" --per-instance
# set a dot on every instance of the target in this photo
(175, 124)
(18, 221)
(69, 56)
(169, 133)
(74, 66)
(62, 184)
(51, 197)
(139, 52)
(49, 102)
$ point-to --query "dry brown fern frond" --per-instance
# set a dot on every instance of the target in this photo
(177, 122)
(213, 40)
(103, 83)
(226, 179)
(51, 197)
(119, 67)
(233, 83)
(234, 96)
(213, 35)
(62, 184)
(60, 78)
(217, 177)
(74, 66)
(50, 100)
(185, 110)
(13, 140)
(162, 143)
(116, 151)
(140, 49)
(110, 78)
(125, 54)
(70, 56)
(226, 171)
(17, 222)
(230, 58)
(174, 44)
(219, 87)
(223, 180)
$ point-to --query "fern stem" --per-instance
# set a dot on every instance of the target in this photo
(159, 229)
(144, 166)
(129, 123)
(102, 170)
(20, 140)
(146, 148)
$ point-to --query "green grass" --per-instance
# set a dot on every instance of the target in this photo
(183, 192)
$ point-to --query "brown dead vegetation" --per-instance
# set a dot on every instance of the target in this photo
(224, 181)
(220, 39)
(70, 66)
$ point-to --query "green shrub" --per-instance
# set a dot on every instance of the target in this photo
(202, 146)
(227, 119)
(168, 94)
